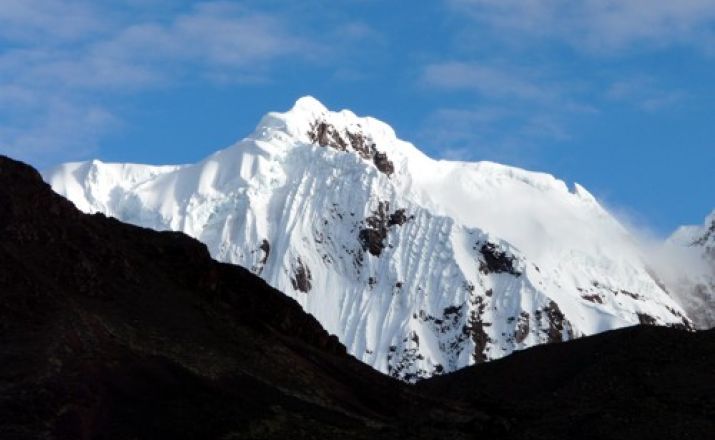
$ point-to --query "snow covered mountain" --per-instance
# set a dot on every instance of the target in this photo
(419, 266)
(697, 284)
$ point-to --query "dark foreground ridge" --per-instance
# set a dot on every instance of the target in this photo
(110, 331)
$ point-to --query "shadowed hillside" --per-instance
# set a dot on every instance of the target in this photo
(110, 331)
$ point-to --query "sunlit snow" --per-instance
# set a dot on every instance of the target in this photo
(429, 302)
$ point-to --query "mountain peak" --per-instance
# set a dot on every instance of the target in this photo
(310, 122)
(419, 266)
(308, 104)
(308, 112)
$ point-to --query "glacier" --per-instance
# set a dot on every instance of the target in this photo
(419, 266)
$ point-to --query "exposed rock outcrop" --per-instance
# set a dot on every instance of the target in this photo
(301, 277)
(376, 227)
(496, 260)
(326, 135)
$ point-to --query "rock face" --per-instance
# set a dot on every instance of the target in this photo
(377, 226)
(301, 277)
(420, 267)
(326, 135)
(496, 260)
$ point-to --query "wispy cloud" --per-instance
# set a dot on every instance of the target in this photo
(487, 80)
(60, 59)
(62, 126)
(508, 110)
(48, 21)
(644, 93)
(537, 67)
(497, 133)
(597, 25)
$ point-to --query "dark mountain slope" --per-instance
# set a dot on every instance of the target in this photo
(112, 331)
(109, 331)
(637, 382)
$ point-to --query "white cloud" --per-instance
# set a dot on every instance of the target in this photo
(510, 110)
(56, 128)
(496, 133)
(534, 88)
(50, 21)
(597, 25)
(61, 60)
(487, 80)
(462, 134)
(644, 93)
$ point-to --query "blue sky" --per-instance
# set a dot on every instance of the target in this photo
(618, 95)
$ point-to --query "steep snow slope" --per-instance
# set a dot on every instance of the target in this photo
(697, 283)
(418, 266)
